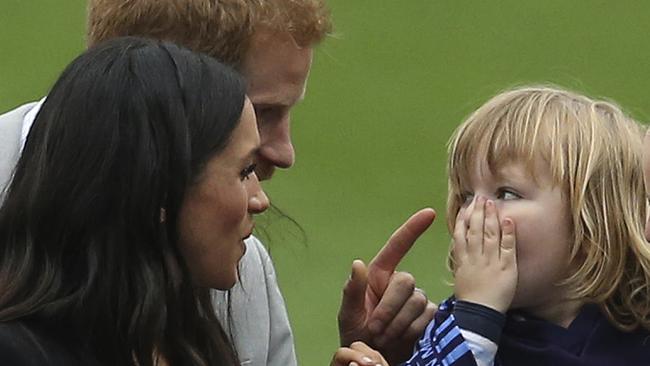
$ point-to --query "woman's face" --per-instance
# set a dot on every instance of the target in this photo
(217, 212)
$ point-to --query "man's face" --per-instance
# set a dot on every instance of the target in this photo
(276, 70)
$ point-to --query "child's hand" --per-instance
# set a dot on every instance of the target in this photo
(358, 354)
(485, 257)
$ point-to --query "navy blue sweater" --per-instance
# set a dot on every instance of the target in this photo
(525, 340)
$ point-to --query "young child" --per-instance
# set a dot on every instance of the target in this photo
(549, 258)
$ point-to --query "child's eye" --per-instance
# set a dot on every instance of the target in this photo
(466, 198)
(507, 194)
(245, 174)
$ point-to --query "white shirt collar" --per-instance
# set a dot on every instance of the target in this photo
(28, 121)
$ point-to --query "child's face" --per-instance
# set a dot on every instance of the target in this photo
(542, 226)
(646, 176)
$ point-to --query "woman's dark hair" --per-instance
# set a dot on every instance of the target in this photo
(123, 133)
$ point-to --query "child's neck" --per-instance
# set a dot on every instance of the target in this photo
(561, 313)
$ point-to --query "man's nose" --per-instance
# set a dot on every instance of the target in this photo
(277, 147)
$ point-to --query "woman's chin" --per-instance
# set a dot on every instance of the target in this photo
(226, 284)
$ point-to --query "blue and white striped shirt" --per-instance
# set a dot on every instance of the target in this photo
(442, 343)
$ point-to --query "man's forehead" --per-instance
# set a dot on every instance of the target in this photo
(272, 50)
(276, 97)
(276, 71)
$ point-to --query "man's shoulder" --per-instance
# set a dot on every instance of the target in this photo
(257, 253)
(16, 115)
(256, 247)
(11, 125)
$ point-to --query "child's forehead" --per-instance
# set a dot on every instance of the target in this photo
(514, 169)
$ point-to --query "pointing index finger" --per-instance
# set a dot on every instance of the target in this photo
(402, 240)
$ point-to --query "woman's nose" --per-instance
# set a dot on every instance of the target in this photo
(258, 202)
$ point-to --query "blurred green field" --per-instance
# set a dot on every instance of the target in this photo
(384, 96)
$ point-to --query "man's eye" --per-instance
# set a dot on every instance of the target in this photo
(267, 114)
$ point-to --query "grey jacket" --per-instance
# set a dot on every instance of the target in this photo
(258, 317)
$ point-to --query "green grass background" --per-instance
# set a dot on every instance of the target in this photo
(384, 96)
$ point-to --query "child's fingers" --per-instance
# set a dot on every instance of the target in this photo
(347, 357)
(460, 236)
(508, 253)
(492, 232)
(358, 354)
(475, 231)
(372, 357)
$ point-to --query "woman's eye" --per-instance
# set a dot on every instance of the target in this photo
(246, 173)
(507, 194)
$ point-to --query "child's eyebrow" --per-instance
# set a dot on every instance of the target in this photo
(517, 173)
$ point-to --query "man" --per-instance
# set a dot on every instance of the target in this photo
(271, 43)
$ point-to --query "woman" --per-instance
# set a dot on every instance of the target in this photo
(132, 198)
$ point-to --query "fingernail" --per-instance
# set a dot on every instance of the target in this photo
(507, 224)
(352, 271)
(353, 364)
(367, 360)
(489, 203)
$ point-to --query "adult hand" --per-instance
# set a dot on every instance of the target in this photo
(382, 307)
(358, 354)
